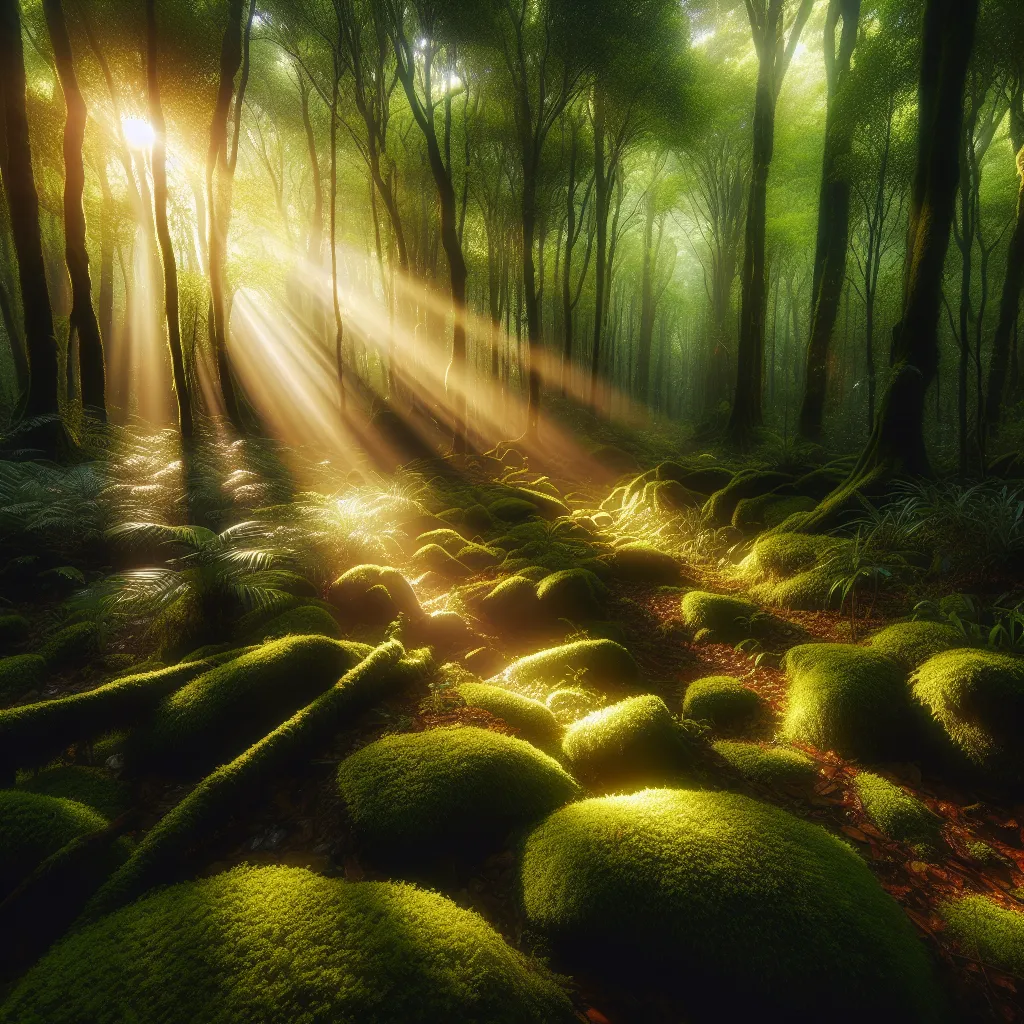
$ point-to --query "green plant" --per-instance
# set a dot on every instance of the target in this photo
(898, 815)
(857, 568)
(987, 932)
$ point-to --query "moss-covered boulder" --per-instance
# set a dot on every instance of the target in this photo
(547, 505)
(727, 619)
(670, 496)
(913, 643)
(349, 594)
(849, 699)
(279, 945)
(987, 931)
(479, 556)
(220, 713)
(732, 905)
(93, 787)
(977, 698)
(32, 826)
(723, 703)
(451, 540)
(641, 563)
(434, 558)
(14, 630)
(598, 663)
(512, 510)
(574, 594)
(720, 506)
(512, 604)
(71, 646)
(571, 703)
(899, 815)
(767, 510)
(20, 674)
(795, 570)
(629, 745)
(303, 620)
(533, 720)
(414, 796)
(766, 764)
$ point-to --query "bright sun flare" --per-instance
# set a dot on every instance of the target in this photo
(138, 132)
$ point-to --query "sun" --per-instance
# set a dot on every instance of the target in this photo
(138, 132)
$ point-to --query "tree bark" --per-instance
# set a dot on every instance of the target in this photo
(643, 362)
(339, 327)
(601, 202)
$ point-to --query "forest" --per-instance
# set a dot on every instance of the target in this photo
(511, 511)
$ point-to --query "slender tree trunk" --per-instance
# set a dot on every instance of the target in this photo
(106, 297)
(530, 293)
(339, 327)
(601, 203)
(643, 363)
(159, 158)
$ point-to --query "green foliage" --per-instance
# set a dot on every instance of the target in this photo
(723, 703)
(913, 643)
(788, 570)
(642, 563)
(14, 630)
(350, 594)
(768, 765)
(574, 594)
(987, 931)
(727, 618)
(848, 699)
(899, 815)
(977, 697)
(414, 796)
(270, 943)
(690, 890)
(629, 745)
(533, 720)
(303, 620)
(600, 662)
(19, 674)
(90, 786)
(70, 646)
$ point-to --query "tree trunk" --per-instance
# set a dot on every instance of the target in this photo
(833, 217)
(643, 363)
(159, 158)
(601, 203)
(339, 327)
(530, 293)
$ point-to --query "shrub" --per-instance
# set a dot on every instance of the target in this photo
(33, 826)
(848, 699)
(724, 703)
(727, 618)
(769, 765)
(899, 815)
(574, 594)
(434, 558)
(512, 510)
(977, 697)
(14, 630)
(987, 931)
(90, 786)
(19, 674)
(633, 743)
(217, 715)
(533, 720)
(70, 646)
(913, 643)
(731, 904)
(640, 563)
(413, 796)
(279, 945)
(349, 591)
(600, 662)
(304, 620)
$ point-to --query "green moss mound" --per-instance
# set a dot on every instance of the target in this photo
(479, 556)
(450, 540)
(850, 700)
(90, 786)
(987, 932)
(913, 643)
(754, 514)
(413, 796)
(641, 563)
(348, 593)
(282, 945)
(220, 713)
(532, 719)
(574, 594)
(724, 703)
(899, 815)
(549, 506)
(14, 630)
(719, 508)
(512, 604)
(732, 904)
(33, 826)
(571, 703)
(71, 646)
(768, 765)
(977, 697)
(304, 620)
(670, 496)
(595, 662)
(631, 744)
(434, 558)
(790, 570)
(727, 618)
(512, 510)
(19, 674)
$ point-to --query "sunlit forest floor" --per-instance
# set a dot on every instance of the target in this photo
(639, 560)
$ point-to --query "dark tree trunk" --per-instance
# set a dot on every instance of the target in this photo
(156, 117)
(602, 192)
(339, 327)
(106, 297)
(833, 217)
(643, 362)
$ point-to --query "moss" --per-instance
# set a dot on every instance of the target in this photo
(348, 594)
(478, 518)
(434, 558)
(571, 703)
(512, 510)
(414, 796)
(442, 629)
(897, 814)
(19, 674)
(720, 507)
(631, 744)
(617, 460)
(599, 662)
(279, 945)
(977, 697)
(848, 699)
(987, 931)
(93, 787)
(304, 620)
(790, 570)
(730, 904)
(220, 713)
(450, 540)
(728, 618)
(547, 505)
(533, 720)
(33, 826)
(704, 481)
(479, 556)
(766, 510)
(71, 646)
(768, 765)
(670, 496)
(574, 594)
(641, 563)
(14, 630)
(512, 604)
(724, 703)
(913, 643)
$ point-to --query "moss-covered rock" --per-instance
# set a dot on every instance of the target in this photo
(794, 570)
(93, 787)
(754, 514)
(848, 699)
(629, 745)
(303, 620)
(434, 558)
(220, 713)
(19, 674)
(512, 604)
(641, 563)
(533, 720)
(279, 945)
(670, 496)
(451, 540)
(730, 904)
(71, 646)
(987, 931)
(913, 643)
(977, 697)
(32, 826)
(547, 505)
(479, 556)
(512, 510)
(899, 815)
(14, 630)
(348, 593)
(723, 703)
(720, 507)
(596, 662)
(766, 764)
(571, 703)
(414, 796)
(705, 480)
(728, 619)
(574, 594)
